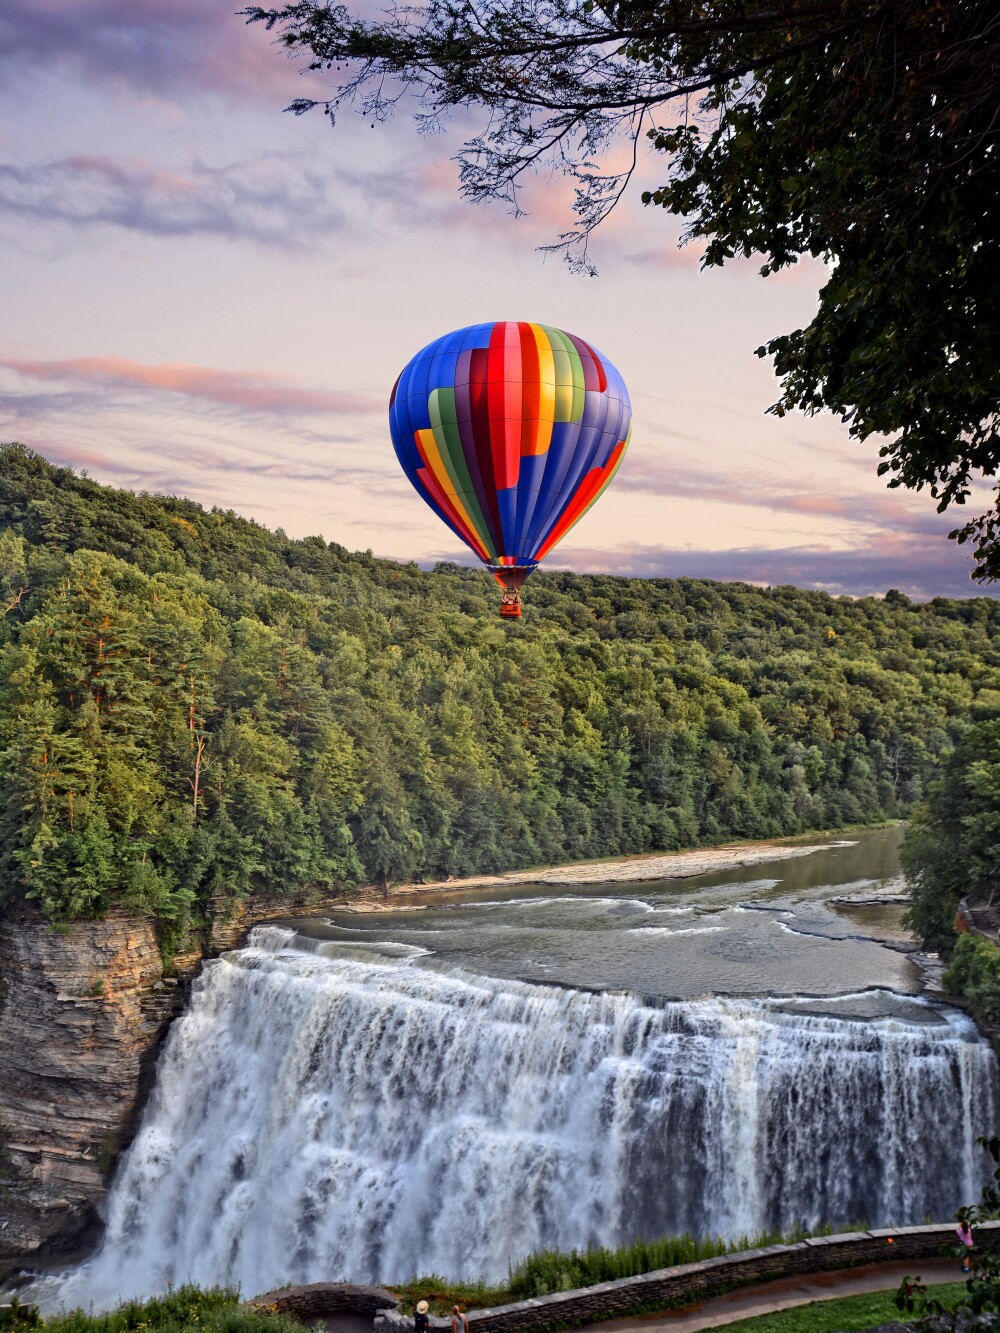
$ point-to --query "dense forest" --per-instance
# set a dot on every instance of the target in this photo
(193, 707)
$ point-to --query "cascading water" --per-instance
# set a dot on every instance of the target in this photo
(325, 1117)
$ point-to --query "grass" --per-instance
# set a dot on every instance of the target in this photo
(548, 1271)
(849, 1313)
(441, 1295)
(184, 1310)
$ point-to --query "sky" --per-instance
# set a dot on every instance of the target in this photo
(203, 296)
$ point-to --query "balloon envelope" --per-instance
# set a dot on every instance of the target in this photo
(510, 432)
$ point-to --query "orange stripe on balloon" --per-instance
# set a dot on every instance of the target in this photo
(591, 486)
(529, 390)
(443, 503)
(429, 447)
(546, 390)
(439, 486)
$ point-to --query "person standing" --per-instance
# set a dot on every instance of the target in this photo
(459, 1322)
(964, 1233)
(420, 1320)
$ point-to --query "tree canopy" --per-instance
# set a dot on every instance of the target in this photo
(862, 132)
(952, 848)
(193, 708)
(951, 852)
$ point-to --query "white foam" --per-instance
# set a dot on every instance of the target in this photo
(677, 930)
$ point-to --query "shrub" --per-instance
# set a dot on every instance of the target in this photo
(16, 1316)
(974, 973)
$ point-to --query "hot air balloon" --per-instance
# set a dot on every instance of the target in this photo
(510, 432)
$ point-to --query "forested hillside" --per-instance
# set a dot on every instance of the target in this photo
(193, 706)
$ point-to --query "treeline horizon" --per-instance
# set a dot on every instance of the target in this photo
(193, 708)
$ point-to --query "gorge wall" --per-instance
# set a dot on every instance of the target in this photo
(84, 1009)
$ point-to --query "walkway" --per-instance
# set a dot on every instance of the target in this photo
(765, 1297)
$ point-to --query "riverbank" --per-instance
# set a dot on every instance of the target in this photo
(631, 869)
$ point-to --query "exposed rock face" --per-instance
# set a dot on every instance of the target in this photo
(83, 1011)
(231, 921)
(79, 1028)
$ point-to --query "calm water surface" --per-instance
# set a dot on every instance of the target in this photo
(768, 929)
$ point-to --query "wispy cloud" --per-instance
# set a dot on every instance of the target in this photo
(671, 255)
(421, 188)
(158, 48)
(281, 201)
(808, 497)
(249, 391)
(907, 561)
(258, 200)
(290, 454)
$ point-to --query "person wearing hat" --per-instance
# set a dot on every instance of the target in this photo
(420, 1320)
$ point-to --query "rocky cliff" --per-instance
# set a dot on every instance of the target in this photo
(83, 1011)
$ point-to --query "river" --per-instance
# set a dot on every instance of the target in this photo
(759, 930)
(443, 1089)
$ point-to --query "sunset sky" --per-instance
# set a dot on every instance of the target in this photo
(205, 297)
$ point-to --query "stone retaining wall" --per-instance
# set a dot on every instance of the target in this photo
(650, 1291)
(676, 1286)
(316, 1299)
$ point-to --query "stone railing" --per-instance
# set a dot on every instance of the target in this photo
(649, 1291)
(316, 1299)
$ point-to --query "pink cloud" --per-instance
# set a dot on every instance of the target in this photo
(892, 516)
(73, 456)
(426, 192)
(253, 391)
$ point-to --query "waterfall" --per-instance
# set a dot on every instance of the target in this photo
(322, 1116)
